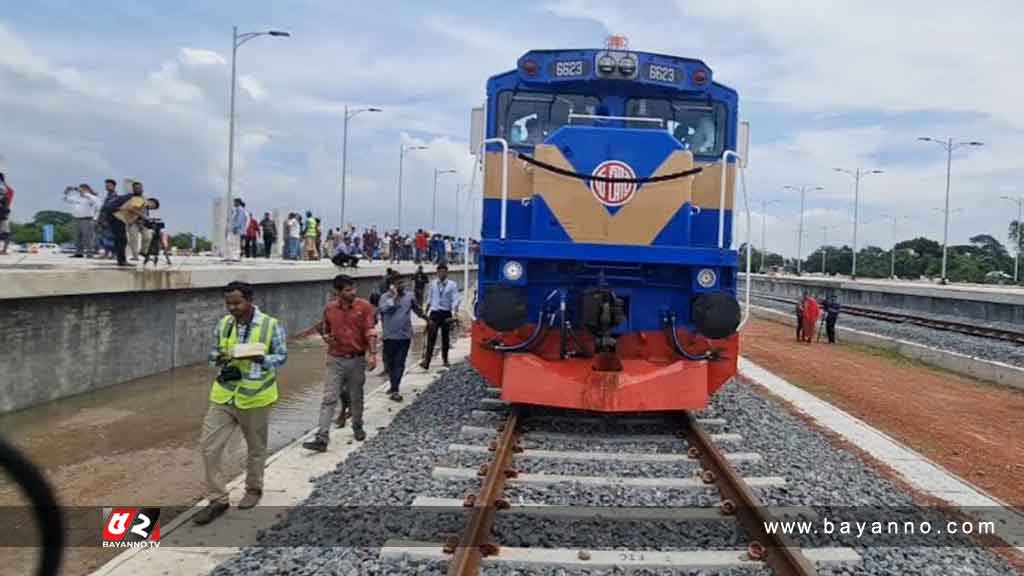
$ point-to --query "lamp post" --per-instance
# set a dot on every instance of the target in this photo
(856, 175)
(824, 248)
(401, 160)
(800, 233)
(344, 153)
(236, 42)
(895, 223)
(458, 203)
(433, 214)
(948, 145)
(1019, 201)
(764, 226)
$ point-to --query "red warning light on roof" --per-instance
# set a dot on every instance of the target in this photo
(700, 77)
(616, 42)
(530, 67)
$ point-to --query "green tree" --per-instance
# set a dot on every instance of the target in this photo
(54, 217)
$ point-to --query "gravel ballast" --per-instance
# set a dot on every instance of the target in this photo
(353, 509)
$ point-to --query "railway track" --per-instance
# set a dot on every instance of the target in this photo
(903, 318)
(524, 453)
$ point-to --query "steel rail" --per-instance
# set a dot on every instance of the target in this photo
(903, 318)
(475, 543)
(777, 550)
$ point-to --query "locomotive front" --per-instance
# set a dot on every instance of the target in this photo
(606, 279)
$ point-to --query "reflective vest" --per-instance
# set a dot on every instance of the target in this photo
(258, 386)
(311, 225)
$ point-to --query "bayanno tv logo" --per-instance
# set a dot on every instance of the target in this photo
(131, 527)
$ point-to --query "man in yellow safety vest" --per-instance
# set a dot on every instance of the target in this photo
(311, 234)
(249, 347)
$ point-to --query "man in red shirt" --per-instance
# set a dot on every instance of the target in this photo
(421, 245)
(348, 328)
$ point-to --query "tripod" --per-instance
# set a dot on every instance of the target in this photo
(821, 327)
(153, 251)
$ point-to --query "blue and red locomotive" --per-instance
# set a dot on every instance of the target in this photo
(607, 281)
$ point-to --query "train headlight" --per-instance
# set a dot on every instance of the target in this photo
(606, 65)
(706, 278)
(627, 66)
(512, 271)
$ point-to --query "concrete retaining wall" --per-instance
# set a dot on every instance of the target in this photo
(986, 303)
(54, 347)
(987, 370)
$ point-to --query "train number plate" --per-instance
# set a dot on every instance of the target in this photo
(661, 73)
(569, 68)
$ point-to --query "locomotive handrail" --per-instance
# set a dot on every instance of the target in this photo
(581, 176)
(504, 176)
(721, 222)
(625, 118)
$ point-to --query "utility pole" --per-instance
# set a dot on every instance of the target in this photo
(764, 227)
(857, 175)
(401, 160)
(800, 233)
(236, 42)
(433, 216)
(344, 153)
(949, 146)
(1019, 201)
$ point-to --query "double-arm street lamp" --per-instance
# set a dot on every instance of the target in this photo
(800, 233)
(433, 216)
(856, 175)
(948, 145)
(1019, 201)
(236, 43)
(344, 153)
(401, 160)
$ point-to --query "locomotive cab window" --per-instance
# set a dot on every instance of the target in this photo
(699, 128)
(527, 118)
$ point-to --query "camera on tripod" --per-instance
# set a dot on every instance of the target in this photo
(154, 224)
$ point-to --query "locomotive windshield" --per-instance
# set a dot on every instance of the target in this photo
(700, 128)
(526, 118)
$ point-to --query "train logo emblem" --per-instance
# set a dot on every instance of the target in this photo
(613, 194)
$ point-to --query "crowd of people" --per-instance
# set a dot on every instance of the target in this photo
(250, 347)
(303, 238)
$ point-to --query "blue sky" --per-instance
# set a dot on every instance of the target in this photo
(140, 90)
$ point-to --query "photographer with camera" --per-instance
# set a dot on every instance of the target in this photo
(84, 208)
(396, 307)
(123, 212)
(249, 348)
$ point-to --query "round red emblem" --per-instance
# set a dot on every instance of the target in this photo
(613, 193)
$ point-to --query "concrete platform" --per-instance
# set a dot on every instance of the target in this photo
(39, 275)
(286, 483)
(916, 470)
(974, 301)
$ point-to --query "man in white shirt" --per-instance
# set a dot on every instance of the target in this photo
(293, 233)
(84, 208)
(442, 302)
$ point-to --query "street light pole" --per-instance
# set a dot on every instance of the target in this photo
(458, 192)
(433, 215)
(344, 153)
(1019, 201)
(949, 146)
(764, 227)
(401, 160)
(800, 232)
(857, 175)
(236, 42)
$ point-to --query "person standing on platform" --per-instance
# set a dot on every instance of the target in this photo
(396, 307)
(293, 234)
(832, 309)
(269, 229)
(237, 222)
(104, 233)
(442, 302)
(799, 309)
(252, 236)
(249, 347)
(84, 208)
(310, 234)
(348, 328)
(137, 234)
(6, 201)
